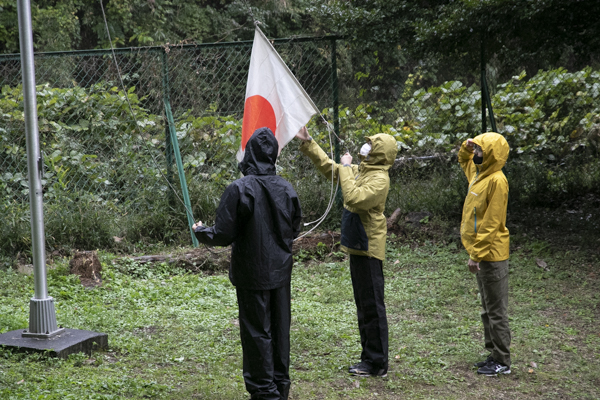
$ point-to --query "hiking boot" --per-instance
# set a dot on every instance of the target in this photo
(484, 362)
(365, 369)
(493, 368)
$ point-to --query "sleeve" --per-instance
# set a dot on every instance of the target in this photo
(465, 159)
(366, 196)
(225, 230)
(321, 160)
(494, 217)
(296, 216)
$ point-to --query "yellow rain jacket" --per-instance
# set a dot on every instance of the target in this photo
(483, 228)
(365, 188)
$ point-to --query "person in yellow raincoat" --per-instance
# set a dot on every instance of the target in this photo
(364, 188)
(485, 237)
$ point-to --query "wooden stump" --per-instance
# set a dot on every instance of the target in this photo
(393, 219)
(87, 266)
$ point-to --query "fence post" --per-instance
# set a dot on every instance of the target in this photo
(179, 162)
(168, 143)
(485, 94)
(336, 106)
(483, 101)
(489, 104)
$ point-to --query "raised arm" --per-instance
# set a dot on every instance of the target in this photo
(319, 158)
(367, 195)
(465, 159)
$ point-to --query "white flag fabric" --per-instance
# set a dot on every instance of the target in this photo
(274, 98)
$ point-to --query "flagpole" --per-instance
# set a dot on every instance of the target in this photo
(42, 315)
(43, 333)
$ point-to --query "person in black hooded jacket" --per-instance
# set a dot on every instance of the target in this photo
(259, 215)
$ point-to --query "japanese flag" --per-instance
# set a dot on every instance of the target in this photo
(274, 98)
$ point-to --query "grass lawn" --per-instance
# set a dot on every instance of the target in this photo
(175, 335)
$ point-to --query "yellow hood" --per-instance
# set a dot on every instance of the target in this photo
(495, 152)
(383, 150)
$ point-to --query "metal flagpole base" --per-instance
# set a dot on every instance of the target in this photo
(42, 319)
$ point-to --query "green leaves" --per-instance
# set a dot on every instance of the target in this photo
(79, 24)
(549, 115)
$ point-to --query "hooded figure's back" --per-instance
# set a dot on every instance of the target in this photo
(260, 216)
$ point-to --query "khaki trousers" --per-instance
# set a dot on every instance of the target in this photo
(492, 280)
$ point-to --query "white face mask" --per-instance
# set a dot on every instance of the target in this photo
(365, 149)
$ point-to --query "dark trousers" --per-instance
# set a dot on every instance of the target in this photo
(265, 318)
(492, 279)
(368, 286)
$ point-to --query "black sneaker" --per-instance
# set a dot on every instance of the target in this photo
(364, 369)
(483, 363)
(493, 368)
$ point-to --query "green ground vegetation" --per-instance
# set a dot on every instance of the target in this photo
(175, 335)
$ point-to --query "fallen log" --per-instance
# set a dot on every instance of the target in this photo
(156, 258)
(197, 260)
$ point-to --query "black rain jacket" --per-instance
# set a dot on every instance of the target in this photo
(259, 215)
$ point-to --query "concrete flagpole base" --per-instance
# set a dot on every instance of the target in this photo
(61, 344)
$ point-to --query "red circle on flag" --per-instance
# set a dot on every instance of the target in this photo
(258, 113)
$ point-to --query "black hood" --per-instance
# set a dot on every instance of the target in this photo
(261, 153)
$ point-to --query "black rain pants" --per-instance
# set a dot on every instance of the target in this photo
(265, 317)
(368, 285)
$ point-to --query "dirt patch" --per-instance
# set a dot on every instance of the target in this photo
(572, 226)
(200, 260)
(317, 246)
(319, 243)
(147, 331)
(418, 227)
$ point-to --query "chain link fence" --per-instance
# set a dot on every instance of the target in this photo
(550, 118)
(108, 159)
